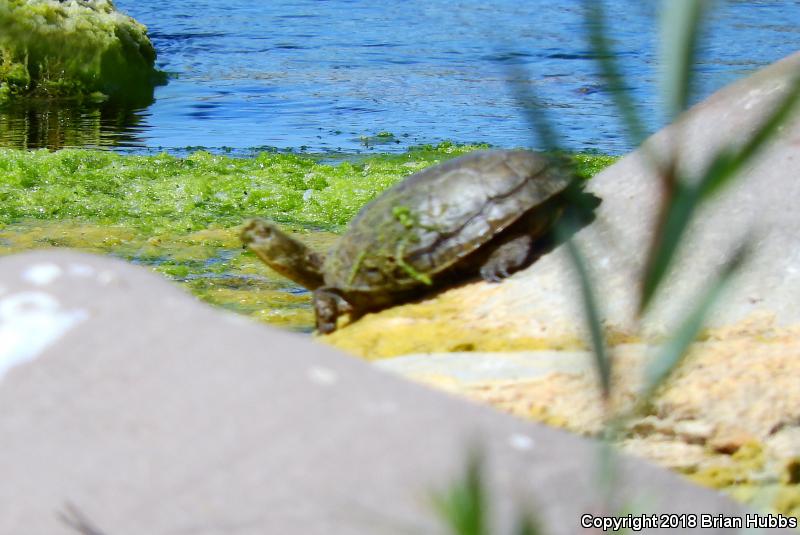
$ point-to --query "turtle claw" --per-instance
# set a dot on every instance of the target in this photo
(328, 306)
(327, 311)
(493, 272)
(489, 277)
(490, 274)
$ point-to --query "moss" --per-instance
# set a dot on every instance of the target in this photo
(719, 477)
(80, 49)
(741, 476)
(166, 194)
(787, 500)
(545, 416)
(588, 164)
(748, 459)
(433, 326)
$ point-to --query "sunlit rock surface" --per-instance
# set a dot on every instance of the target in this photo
(128, 404)
(728, 419)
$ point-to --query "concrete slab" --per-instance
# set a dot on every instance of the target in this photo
(468, 367)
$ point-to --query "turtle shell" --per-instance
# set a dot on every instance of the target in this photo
(434, 218)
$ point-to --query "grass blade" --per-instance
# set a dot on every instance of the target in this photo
(680, 23)
(463, 507)
(594, 17)
(593, 316)
(73, 518)
(687, 196)
(680, 26)
(676, 348)
(669, 234)
(528, 526)
(533, 108)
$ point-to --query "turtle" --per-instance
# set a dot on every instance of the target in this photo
(484, 214)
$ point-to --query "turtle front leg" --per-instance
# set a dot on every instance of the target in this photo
(521, 243)
(328, 306)
(510, 256)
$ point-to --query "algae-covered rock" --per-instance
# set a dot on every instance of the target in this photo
(77, 49)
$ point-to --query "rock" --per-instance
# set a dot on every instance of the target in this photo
(82, 49)
(743, 386)
(687, 431)
(672, 454)
(728, 391)
(557, 388)
(730, 416)
(131, 406)
(785, 443)
(783, 448)
(539, 308)
(730, 440)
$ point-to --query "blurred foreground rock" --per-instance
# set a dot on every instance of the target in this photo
(129, 403)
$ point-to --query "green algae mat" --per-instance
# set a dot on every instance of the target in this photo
(180, 215)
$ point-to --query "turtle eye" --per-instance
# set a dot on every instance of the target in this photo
(373, 275)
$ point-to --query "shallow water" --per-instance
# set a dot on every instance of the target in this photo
(330, 75)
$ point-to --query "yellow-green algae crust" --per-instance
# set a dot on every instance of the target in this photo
(180, 215)
(433, 325)
(77, 49)
(741, 476)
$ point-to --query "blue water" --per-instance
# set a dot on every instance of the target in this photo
(328, 75)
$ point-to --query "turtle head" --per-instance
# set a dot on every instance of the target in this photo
(283, 253)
